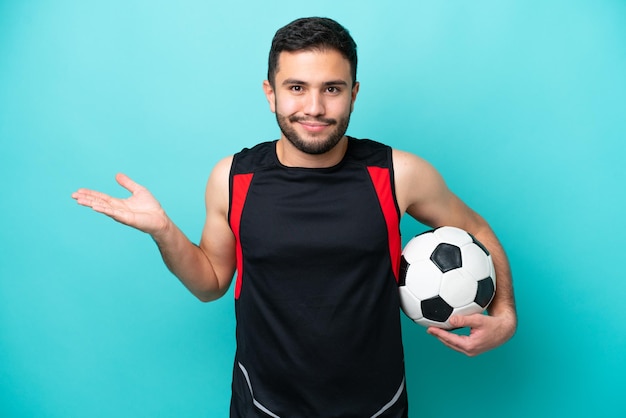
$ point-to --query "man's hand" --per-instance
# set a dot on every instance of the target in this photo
(486, 333)
(141, 210)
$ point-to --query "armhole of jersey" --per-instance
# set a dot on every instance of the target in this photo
(382, 181)
(392, 178)
(239, 192)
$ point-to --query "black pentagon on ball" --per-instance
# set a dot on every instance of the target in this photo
(447, 257)
(404, 267)
(485, 292)
(436, 309)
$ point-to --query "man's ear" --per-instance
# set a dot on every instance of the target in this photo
(355, 91)
(270, 95)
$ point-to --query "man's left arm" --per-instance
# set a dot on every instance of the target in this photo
(486, 331)
(423, 194)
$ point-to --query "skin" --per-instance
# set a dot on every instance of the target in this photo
(313, 95)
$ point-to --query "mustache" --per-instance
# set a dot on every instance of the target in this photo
(328, 121)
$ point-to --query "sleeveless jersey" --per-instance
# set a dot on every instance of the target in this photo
(316, 299)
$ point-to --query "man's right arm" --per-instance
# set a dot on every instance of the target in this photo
(205, 269)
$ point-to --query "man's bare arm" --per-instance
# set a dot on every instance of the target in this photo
(205, 269)
(423, 194)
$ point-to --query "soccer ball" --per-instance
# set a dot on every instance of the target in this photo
(445, 272)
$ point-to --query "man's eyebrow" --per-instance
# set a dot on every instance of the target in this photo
(336, 83)
(289, 81)
(292, 81)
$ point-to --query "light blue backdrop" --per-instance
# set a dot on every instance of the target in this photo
(520, 104)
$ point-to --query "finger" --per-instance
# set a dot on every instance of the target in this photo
(111, 212)
(451, 340)
(444, 335)
(87, 193)
(127, 183)
(90, 198)
(119, 216)
(472, 321)
(454, 346)
(459, 348)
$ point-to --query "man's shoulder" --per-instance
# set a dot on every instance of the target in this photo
(250, 159)
(369, 151)
(261, 147)
(366, 143)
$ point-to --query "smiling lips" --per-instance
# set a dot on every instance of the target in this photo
(313, 125)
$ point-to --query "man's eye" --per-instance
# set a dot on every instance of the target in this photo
(296, 89)
(333, 90)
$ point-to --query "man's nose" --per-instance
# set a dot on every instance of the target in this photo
(314, 105)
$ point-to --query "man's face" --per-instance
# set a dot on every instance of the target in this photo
(312, 97)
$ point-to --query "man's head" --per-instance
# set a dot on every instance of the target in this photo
(309, 34)
(311, 85)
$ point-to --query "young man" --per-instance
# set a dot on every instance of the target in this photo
(311, 224)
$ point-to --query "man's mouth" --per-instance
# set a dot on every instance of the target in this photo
(313, 125)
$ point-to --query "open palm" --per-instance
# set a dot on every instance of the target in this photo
(141, 210)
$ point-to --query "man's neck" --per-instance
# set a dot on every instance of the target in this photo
(290, 156)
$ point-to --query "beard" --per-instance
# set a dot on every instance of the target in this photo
(317, 145)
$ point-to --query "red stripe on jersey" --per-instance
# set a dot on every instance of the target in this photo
(241, 185)
(381, 179)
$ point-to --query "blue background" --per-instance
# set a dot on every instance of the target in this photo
(520, 104)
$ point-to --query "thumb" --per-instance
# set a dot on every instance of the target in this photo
(127, 183)
(461, 321)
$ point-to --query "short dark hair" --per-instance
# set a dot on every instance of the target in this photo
(312, 33)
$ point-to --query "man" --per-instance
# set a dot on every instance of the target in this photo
(311, 224)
